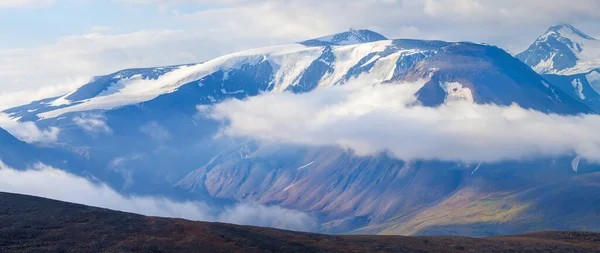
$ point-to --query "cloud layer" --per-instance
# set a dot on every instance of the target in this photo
(48, 182)
(387, 117)
(25, 3)
(93, 123)
(28, 131)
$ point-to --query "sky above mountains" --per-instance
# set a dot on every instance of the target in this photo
(48, 47)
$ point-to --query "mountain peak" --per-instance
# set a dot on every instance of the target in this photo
(350, 37)
(568, 30)
(563, 49)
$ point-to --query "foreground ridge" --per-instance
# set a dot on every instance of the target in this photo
(33, 224)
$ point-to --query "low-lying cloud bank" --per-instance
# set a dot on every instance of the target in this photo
(48, 182)
(387, 117)
(28, 131)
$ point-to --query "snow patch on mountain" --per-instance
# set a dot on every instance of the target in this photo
(578, 88)
(119, 85)
(575, 163)
(348, 56)
(546, 65)
(131, 91)
(476, 169)
(547, 85)
(288, 67)
(305, 166)
(384, 67)
(594, 80)
(456, 92)
(61, 101)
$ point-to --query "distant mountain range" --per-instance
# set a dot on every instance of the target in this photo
(139, 131)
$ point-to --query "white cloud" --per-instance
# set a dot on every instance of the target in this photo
(102, 29)
(92, 123)
(28, 91)
(120, 165)
(48, 182)
(512, 24)
(25, 3)
(156, 131)
(28, 131)
(386, 117)
(259, 215)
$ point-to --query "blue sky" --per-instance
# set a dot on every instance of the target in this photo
(36, 25)
(49, 47)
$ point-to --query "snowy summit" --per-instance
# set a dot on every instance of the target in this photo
(349, 37)
(563, 49)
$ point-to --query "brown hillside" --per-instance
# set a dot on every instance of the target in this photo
(32, 224)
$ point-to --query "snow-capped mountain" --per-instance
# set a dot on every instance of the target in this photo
(349, 37)
(295, 68)
(564, 50)
(126, 119)
(301, 68)
(569, 59)
(140, 132)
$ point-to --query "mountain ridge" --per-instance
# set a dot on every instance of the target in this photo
(38, 224)
(349, 37)
(293, 67)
